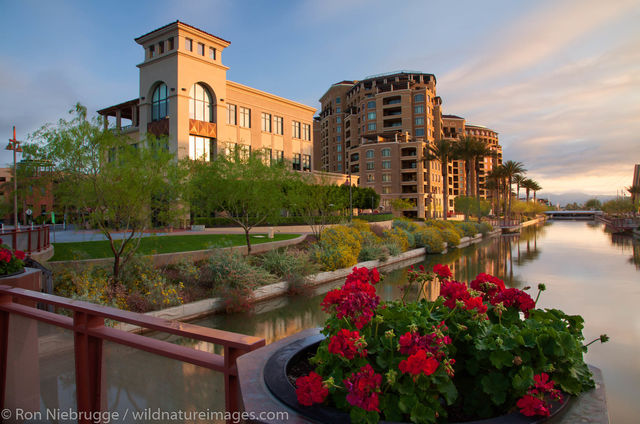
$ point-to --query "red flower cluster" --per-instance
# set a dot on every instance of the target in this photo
(454, 291)
(19, 254)
(419, 363)
(412, 343)
(516, 298)
(363, 388)
(348, 344)
(5, 255)
(357, 299)
(310, 389)
(442, 271)
(534, 403)
(488, 285)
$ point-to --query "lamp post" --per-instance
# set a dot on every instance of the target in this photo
(15, 146)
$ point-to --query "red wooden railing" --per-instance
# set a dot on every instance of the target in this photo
(89, 332)
(28, 239)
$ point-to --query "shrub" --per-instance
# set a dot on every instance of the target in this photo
(468, 228)
(342, 234)
(405, 224)
(451, 237)
(399, 237)
(484, 228)
(360, 226)
(430, 239)
(339, 247)
(292, 266)
(373, 252)
(393, 248)
(445, 225)
(227, 269)
(376, 217)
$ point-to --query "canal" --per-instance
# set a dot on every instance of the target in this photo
(586, 270)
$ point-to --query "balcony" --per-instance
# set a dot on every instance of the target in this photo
(409, 165)
(409, 189)
(408, 152)
(159, 128)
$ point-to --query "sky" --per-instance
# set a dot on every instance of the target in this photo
(558, 80)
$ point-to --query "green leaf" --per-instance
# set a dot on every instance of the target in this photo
(406, 403)
(496, 385)
(421, 413)
(523, 379)
(358, 415)
(448, 390)
(501, 358)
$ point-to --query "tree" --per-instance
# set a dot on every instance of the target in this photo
(315, 204)
(398, 205)
(520, 179)
(116, 185)
(497, 176)
(511, 169)
(634, 190)
(442, 150)
(593, 204)
(618, 206)
(527, 184)
(535, 187)
(482, 150)
(243, 188)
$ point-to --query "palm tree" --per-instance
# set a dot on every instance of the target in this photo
(511, 169)
(528, 185)
(465, 149)
(497, 176)
(442, 150)
(519, 179)
(535, 187)
(492, 185)
(635, 193)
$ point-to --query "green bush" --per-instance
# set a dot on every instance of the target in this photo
(484, 228)
(376, 217)
(392, 248)
(339, 247)
(442, 225)
(430, 239)
(451, 237)
(405, 224)
(372, 252)
(292, 266)
(468, 228)
(399, 237)
(227, 269)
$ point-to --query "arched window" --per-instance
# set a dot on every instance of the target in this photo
(200, 103)
(159, 103)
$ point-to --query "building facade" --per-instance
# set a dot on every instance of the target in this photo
(185, 95)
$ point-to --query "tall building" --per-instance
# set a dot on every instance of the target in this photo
(379, 129)
(185, 94)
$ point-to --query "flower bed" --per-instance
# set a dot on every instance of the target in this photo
(11, 261)
(478, 351)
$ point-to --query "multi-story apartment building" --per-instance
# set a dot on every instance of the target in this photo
(378, 129)
(184, 94)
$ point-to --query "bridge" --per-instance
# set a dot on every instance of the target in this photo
(573, 215)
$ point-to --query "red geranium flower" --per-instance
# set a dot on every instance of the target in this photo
(19, 254)
(363, 388)
(532, 406)
(356, 300)
(310, 389)
(347, 344)
(419, 363)
(488, 285)
(515, 298)
(453, 291)
(442, 271)
(475, 303)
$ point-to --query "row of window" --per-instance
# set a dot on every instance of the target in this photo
(188, 46)
(157, 49)
(242, 116)
(370, 154)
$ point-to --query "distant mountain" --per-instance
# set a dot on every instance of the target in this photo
(573, 196)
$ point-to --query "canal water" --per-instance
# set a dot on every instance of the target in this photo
(586, 270)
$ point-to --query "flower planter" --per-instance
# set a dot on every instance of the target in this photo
(278, 369)
(266, 389)
(28, 278)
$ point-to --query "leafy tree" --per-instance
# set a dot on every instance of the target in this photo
(117, 186)
(365, 198)
(316, 204)
(398, 205)
(635, 196)
(243, 188)
(618, 206)
(465, 205)
(593, 204)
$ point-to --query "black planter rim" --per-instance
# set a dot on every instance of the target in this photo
(13, 274)
(275, 377)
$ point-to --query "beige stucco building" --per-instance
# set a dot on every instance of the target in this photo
(185, 94)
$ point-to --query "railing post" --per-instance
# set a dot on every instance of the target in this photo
(88, 359)
(38, 247)
(4, 347)
(14, 238)
(231, 384)
(29, 240)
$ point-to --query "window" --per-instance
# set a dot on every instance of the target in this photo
(338, 110)
(339, 128)
(355, 157)
(418, 98)
(306, 162)
(306, 132)
(371, 105)
(212, 53)
(420, 121)
(232, 116)
(371, 116)
(370, 154)
(201, 49)
(296, 161)
(386, 164)
(371, 126)
(188, 44)
(371, 178)
(386, 190)
(278, 156)
(159, 102)
(340, 167)
(419, 132)
(295, 129)
(152, 51)
(277, 124)
(201, 148)
(337, 100)
(339, 147)
(418, 109)
(370, 166)
(200, 104)
(266, 122)
(339, 157)
(161, 47)
(386, 153)
(338, 119)
(245, 117)
(386, 178)
(339, 138)
(171, 46)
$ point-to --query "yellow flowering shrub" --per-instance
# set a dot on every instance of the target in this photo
(398, 237)
(339, 247)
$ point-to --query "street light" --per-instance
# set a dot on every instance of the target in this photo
(15, 146)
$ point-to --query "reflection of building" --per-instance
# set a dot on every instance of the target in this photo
(379, 129)
(185, 94)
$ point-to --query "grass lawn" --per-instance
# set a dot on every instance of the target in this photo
(159, 244)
